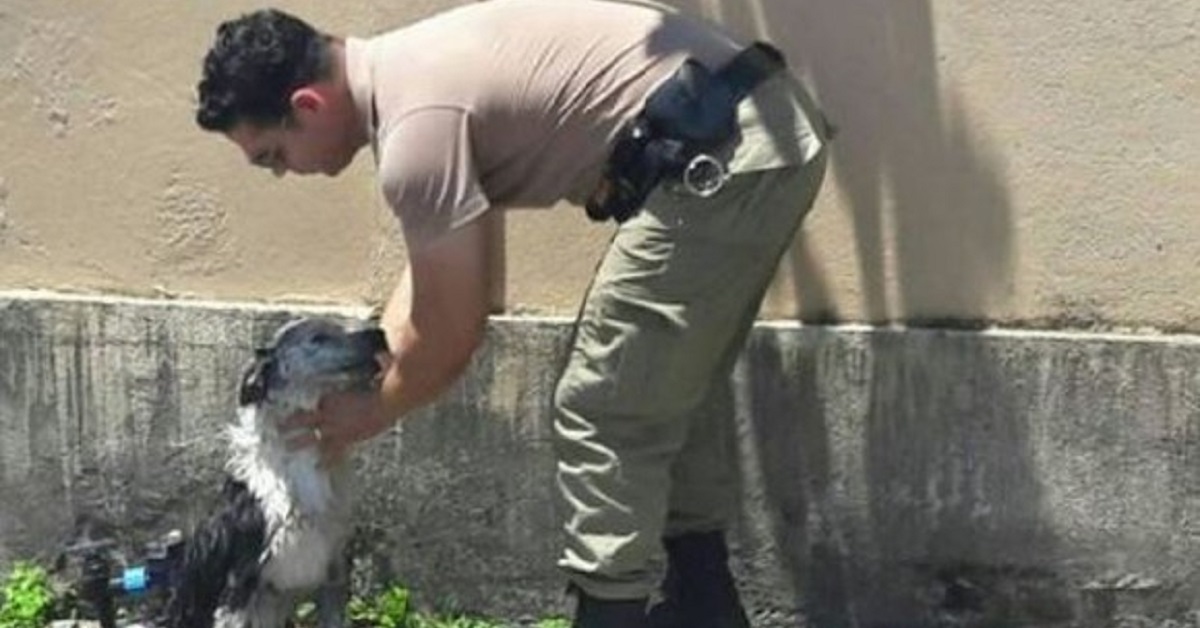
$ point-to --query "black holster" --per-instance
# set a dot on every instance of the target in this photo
(692, 114)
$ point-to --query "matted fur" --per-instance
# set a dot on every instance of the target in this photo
(280, 534)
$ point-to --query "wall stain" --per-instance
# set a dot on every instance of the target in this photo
(13, 233)
(46, 61)
(6, 228)
(193, 234)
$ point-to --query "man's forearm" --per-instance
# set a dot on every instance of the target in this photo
(399, 304)
(419, 372)
(426, 357)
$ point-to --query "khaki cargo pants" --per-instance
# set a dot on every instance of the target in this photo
(644, 434)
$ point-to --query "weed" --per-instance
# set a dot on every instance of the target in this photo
(392, 608)
(27, 597)
(28, 600)
(388, 609)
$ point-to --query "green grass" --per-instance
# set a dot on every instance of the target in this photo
(392, 608)
(27, 598)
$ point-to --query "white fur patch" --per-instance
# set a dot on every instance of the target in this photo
(305, 507)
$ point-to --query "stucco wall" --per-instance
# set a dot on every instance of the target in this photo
(1024, 161)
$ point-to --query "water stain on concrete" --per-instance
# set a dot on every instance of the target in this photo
(891, 477)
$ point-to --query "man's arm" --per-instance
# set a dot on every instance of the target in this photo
(435, 318)
(434, 321)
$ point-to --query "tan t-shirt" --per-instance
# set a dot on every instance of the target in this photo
(511, 102)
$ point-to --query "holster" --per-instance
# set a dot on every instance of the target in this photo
(692, 114)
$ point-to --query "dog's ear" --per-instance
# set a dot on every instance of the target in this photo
(253, 389)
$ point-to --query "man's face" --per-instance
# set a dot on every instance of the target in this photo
(301, 145)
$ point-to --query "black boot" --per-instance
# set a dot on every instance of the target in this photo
(698, 591)
(593, 612)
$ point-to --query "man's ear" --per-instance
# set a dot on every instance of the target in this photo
(307, 100)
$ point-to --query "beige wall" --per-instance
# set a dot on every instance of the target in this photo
(1020, 161)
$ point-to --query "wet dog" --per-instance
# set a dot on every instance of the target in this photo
(280, 534)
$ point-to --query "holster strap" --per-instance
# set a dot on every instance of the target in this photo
(692, 113)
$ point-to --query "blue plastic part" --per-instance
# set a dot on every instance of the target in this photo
(136, 579)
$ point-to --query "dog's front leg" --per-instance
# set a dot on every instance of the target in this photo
(334, 595)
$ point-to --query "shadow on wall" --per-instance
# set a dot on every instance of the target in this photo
(946, 465)
(916, 180)
(897, 478)
(904, 163)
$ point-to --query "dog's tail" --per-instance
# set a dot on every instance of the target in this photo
(221, 561)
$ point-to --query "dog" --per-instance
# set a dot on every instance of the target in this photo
(280, 534)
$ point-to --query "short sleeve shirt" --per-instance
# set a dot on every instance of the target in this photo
(511, 103)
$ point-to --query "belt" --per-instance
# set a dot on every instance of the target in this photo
(691, 115)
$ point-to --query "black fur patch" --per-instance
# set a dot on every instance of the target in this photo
(221, 560)
(253, 387)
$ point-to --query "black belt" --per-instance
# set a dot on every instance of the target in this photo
(693, 113)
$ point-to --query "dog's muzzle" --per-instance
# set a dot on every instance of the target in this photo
(373, 339)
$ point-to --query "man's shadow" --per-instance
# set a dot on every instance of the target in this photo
(942, 452)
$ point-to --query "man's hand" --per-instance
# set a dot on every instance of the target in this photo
(341, 420)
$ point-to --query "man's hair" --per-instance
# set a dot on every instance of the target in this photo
(253, 67)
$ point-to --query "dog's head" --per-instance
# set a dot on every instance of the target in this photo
(308, 358)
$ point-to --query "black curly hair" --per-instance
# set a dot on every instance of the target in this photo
(253, 67)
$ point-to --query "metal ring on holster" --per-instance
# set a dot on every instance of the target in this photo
(704, 176)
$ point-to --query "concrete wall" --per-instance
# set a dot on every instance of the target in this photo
(891, 477)
(1023, 162)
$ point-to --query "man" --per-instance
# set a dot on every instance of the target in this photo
(708, 157)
